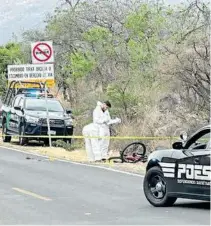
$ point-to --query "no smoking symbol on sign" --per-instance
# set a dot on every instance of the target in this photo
(42, 52)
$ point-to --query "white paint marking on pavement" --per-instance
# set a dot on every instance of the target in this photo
(76, 163)
(102, 167)
(32, 194)
(25, 152)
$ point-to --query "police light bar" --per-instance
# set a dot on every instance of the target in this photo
(26, 91)
(34, 92)
(31, 95)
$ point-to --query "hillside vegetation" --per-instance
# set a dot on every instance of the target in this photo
(151, 60)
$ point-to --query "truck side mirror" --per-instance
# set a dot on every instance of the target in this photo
(177, 145)
(68, 111)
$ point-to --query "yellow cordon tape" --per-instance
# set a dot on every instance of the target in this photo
(96, 137)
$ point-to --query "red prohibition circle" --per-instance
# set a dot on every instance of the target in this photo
(46, 55)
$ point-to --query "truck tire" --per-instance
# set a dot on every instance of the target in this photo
(46, 142)
(156, 188)
(4, 133)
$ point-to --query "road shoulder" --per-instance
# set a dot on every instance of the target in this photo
(75, 156)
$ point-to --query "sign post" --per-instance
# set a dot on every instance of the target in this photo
(42, 52)
(47, 115)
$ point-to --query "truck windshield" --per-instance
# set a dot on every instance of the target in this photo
(40, 105)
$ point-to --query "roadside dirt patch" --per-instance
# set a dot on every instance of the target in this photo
(53, 152)
(78, 155)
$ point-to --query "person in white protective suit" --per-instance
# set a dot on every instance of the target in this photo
(101, 118)
(97, 149)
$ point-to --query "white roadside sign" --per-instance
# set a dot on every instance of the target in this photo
(32, 72)
(42, 52)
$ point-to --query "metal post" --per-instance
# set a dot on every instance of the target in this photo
(47, 115)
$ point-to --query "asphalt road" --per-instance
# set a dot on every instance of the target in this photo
(38, 191)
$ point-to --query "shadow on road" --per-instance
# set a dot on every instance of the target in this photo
(30, 144)
(194, 205)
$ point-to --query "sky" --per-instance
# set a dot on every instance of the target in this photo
(17, 16)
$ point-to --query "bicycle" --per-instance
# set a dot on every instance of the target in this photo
(132, 153)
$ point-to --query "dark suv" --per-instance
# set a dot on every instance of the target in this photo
(26, 115)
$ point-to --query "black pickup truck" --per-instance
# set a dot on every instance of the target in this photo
(26, 115)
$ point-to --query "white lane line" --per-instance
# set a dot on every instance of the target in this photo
(75, 163)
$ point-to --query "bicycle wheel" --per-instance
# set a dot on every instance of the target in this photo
(133, 152)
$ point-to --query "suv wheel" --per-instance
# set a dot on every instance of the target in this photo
(155, 188)
(46, 142)
(22, 140)
(5, 137)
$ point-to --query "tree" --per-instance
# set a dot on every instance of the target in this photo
(189, 51)
(10, 53)
(151, 60)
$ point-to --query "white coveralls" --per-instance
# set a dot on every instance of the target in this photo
(97, 149)
(92, 144)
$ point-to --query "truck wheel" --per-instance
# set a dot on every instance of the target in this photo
(46, 142)
(22, 140)
(156, 189)
(4, 133)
